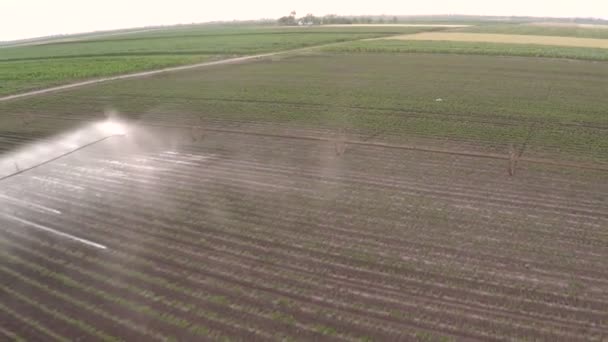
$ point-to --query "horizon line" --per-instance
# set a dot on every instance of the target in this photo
(153, 26)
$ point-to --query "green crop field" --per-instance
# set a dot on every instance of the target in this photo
(395, 94)
(19, 76)
(378, 190)
(56, 62)
(470, 48)
(245, 42)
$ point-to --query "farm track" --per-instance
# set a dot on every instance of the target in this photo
(420, 248)
(137, 75)
(234, 60)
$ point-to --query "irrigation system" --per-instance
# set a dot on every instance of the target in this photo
(110, 129)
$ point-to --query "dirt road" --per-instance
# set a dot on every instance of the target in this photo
(160, 71)
(152, 72)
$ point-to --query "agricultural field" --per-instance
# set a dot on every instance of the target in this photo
(470, 48)
(492, 40)
(336, 193)
(549, 40)
(19, 76)
(543, 29)
(382, 96)
(507, 38)
(52, 63)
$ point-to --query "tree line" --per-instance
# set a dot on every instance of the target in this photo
(310, 19)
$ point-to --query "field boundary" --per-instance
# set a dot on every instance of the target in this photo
(142, 74)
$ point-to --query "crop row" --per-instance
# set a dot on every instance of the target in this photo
(185, 179)
(350, 255)
(166, 227)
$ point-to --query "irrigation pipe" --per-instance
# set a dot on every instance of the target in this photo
(59, 157)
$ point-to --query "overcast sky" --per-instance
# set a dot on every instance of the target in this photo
(32, 18)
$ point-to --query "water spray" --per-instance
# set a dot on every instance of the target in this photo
(37, 155)
(113, 128)
(73, 142)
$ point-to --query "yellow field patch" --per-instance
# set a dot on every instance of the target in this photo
(575, 25)
(507, 38)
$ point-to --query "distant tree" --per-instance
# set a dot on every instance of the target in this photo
(284, 21)
(288, 20)
(310, 19)
(330, 19)
(395, 20)
(335, 19)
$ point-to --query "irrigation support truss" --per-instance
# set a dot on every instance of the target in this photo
(3, 178)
